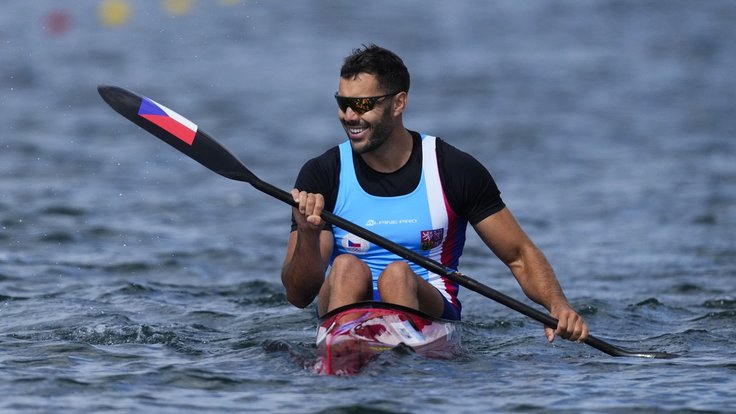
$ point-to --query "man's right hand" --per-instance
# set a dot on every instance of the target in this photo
(307, 214)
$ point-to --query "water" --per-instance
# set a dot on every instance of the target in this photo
(132, 279)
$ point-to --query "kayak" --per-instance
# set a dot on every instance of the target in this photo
(351, 336)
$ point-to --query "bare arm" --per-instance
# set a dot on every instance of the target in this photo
(503, 235)
(308, 251)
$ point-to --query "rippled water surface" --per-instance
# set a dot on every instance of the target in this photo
(134, 280)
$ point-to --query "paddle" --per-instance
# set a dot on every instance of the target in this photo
(185, 136)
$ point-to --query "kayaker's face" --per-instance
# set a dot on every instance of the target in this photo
(368, 130)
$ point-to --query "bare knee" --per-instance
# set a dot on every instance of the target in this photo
(398, 269)
(397, 273)
(349, 266)
(349, 274)
(348, 281)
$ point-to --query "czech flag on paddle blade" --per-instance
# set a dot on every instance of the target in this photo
(169, 120)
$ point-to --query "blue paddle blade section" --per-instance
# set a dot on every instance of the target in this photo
(176, 130)
(168, 120)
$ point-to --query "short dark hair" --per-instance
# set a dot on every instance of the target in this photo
(382, 63)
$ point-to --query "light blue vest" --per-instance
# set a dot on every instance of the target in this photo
(421, 221)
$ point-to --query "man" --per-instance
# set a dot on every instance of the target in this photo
(411, 188)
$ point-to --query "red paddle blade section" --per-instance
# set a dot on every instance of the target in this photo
(350, 339)
(168, 120)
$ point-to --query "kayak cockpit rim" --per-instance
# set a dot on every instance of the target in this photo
(371, 304)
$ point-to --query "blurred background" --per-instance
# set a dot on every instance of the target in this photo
(603, 115)
(608, 125)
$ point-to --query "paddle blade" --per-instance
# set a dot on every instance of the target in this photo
(175, 130)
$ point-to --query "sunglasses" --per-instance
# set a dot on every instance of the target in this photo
(359, 105)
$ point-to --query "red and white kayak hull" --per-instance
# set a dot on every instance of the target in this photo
(351, 336)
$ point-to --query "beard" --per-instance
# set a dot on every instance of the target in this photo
(380, 133)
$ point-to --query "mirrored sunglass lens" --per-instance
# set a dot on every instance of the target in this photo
(359, 105)
(341, 103)
(363, 105)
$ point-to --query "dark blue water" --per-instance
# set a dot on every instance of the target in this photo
(134, 280)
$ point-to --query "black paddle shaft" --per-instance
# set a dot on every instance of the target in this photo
(210, 153)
